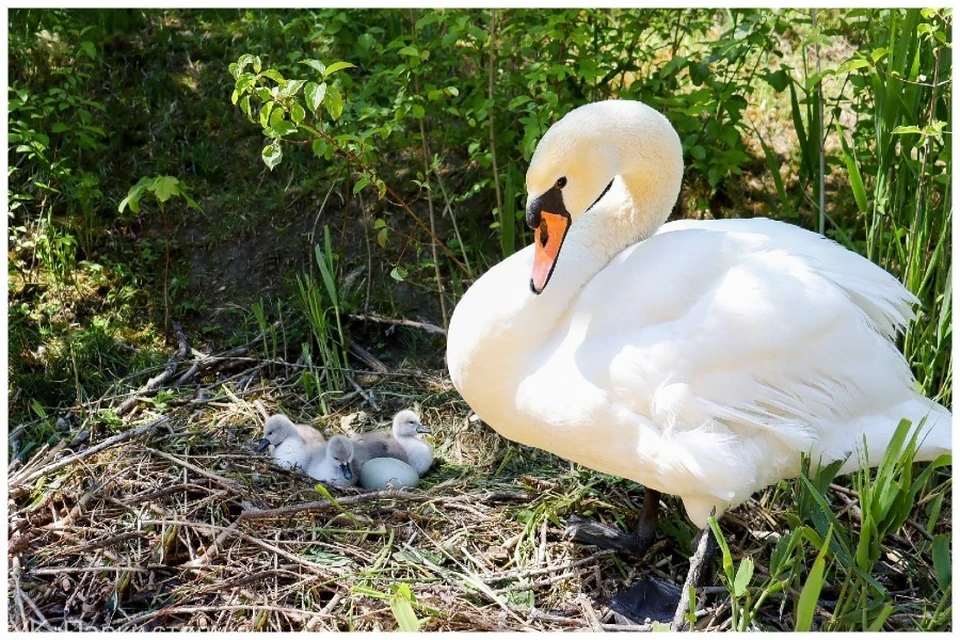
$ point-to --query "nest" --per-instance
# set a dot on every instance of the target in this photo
(175, 524)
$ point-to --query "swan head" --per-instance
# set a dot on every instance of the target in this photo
(275, 430)
(577, 160)
(340, 450)
(406, 423)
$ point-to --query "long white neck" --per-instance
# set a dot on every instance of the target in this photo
(499, 323)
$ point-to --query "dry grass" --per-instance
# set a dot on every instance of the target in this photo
(184, 528)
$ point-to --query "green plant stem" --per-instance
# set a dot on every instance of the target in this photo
(491, 51)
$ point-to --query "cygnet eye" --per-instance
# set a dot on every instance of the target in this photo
(561, 182)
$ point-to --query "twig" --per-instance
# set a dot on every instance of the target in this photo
(426, 326)
(368, 358)
(366, 395)
(106, 444)
(155, 383)
(518, 573)
(170, 611)
(425, 148)
(323, 505)
(230, 484)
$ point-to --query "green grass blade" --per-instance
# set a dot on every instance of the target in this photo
(810, 594)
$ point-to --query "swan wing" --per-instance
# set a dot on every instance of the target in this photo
(738, 345)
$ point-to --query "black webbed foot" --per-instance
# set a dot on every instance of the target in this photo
(590, 532)
(648, 599)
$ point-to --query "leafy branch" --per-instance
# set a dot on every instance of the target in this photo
(285, 109)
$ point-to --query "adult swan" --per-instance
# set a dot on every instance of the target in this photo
(697, 358)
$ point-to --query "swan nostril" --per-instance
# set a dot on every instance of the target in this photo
(544, 233)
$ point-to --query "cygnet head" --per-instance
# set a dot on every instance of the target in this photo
(275, 430)
(340, 450)
(407, 423)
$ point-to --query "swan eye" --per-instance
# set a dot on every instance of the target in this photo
(561, 182)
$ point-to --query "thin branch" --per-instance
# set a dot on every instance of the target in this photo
(155, 383)
(426, 326)
(106, 444)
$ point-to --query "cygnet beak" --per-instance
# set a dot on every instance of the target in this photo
(345, 468)
(423, 429)
(263, 445)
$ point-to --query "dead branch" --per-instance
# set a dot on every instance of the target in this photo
(158, 381)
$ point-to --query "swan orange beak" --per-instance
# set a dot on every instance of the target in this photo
(547, 238)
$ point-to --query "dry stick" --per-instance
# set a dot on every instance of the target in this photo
(168, 611)
(155, 383)
(426, 326)
(519, 573)
(230, 484)
(210, 361)
(448, 209)
(433, 226)
(323, 505)
(106, 444)
(693, 578)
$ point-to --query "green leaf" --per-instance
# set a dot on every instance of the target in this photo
(291, 88)
(337, 66)
(742, 579)
(284, 128)
(333, 102)
(297, 113)
(360, 184)
(778, 80)
(853, 171)
(942, 565)
(315, 64)
(402, 609)
(272, 154)
(912, 129)
(89, 49)
(409, 50)
(134, 195)
(165, 187)
(398, 273)
(314, 93)
(852, 65)
(810, 593)
(265, 112)
(275, 75)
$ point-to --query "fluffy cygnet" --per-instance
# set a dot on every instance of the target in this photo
(293, 444)
(335, 464)
(400, 442)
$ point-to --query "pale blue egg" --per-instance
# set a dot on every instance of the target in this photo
(388, 473)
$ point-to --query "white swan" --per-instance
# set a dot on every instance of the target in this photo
(293, 444)
(698, 358)
(400, 442)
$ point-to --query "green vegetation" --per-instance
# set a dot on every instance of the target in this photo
(271, 180)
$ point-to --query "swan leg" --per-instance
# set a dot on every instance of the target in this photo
(590, 532)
